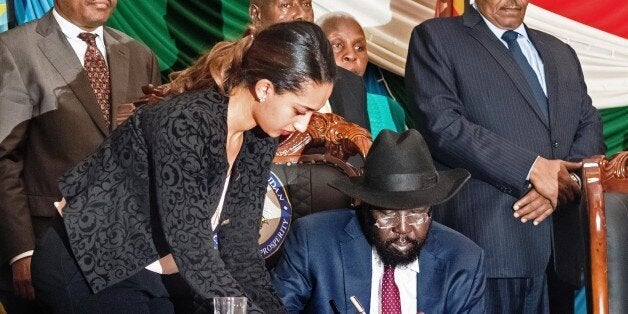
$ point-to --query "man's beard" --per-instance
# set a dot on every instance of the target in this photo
(393, 257)
(387, 253)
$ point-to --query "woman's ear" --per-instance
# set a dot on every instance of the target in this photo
(263, 88)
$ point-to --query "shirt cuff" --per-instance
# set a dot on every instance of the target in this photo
(155, 267)
(21, 256)
(531, 167)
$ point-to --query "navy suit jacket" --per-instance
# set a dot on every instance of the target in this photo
(327, 257)
(476, 111)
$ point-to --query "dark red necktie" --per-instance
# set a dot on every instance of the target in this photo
(98, 74)
(391, 302)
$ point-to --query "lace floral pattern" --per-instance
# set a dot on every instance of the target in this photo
(171, 157)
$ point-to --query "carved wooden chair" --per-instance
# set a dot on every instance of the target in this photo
(303, 166)
(605, 196)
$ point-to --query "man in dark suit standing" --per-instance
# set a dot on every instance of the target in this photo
(348, 98)
(387, 253)
(61, 80)
(509, 104)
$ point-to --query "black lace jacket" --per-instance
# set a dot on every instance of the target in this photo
(168, 163)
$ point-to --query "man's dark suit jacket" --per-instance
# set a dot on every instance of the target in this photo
(348, 98)
(160, 176)
(476, 111)
(327, 257)
(50, 120)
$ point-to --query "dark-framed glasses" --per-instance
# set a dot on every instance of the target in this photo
(394, 218)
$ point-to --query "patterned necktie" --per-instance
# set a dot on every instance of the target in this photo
(391, 302)
(510, 37)
(98, 74)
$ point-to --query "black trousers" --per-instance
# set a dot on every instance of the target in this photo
(60, 284)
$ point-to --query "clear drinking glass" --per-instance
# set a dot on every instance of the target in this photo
(230, 305)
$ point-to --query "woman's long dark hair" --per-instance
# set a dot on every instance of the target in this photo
(287, 54)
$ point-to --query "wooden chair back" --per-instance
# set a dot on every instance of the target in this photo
(602, 177)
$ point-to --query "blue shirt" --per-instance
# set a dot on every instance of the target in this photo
(526, 47)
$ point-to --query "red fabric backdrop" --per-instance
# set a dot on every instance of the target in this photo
(608, 15)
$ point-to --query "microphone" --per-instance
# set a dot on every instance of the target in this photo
(358, 306)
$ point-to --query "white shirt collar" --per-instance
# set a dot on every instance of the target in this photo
(70, 30)
(498, 31)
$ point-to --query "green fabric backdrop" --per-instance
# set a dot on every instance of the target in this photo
(178, 31)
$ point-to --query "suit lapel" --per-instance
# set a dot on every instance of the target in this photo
(431, 277)
(357, 271)
(118, 60)
(60, 54)
(480, 31)
(551, 77)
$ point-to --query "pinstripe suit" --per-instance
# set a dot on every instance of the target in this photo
(476, 111)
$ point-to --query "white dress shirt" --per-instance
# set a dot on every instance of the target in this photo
(72, 32)
(533, 57)
(405, 278)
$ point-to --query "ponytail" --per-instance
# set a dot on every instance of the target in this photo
(221, 67)
(287, 54)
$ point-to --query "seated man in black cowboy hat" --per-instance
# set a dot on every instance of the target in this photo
(386, 253)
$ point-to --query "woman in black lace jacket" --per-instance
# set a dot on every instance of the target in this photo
(179, 187)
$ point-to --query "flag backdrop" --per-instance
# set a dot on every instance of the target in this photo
(4, 16)
(178, 31)
(28, 10)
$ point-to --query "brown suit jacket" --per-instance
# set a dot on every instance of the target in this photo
(49, 119)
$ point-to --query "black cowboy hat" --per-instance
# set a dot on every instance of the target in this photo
(399, 174)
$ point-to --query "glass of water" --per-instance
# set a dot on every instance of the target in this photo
(230, 305)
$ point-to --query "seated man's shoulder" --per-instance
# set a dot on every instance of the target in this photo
(452, 245)
(327, 219)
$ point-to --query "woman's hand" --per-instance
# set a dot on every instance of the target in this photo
(59, 205)
(167, 265)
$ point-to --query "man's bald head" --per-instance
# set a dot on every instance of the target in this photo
(264, 13)
(347, 40)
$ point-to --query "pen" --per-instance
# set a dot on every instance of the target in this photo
(357, 305)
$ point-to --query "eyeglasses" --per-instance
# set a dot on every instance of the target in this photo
(394, 218)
